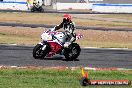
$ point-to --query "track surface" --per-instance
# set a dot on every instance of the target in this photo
(22, 56)
(78, 27)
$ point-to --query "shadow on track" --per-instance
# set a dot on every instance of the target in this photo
(57, 59)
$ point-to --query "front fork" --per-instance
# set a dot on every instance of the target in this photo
(43, 43)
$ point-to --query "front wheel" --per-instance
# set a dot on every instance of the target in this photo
(38, 52)
(72, 52)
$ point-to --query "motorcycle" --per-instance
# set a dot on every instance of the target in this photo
(53, 43)
(39, 9)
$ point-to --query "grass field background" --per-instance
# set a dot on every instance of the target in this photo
(51, 78)
(54, 18)
(91, 38)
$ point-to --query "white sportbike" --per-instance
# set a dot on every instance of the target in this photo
(54, 42)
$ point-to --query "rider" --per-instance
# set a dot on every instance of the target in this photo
(36, 3)
(69, 28)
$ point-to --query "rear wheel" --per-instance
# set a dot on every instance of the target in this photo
(72, 52)
(33, 9)
(41, 9)
(38, 52)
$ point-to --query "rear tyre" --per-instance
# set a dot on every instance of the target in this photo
(72, 52)
(41, 9)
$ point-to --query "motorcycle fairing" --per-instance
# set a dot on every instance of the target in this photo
(55, 48)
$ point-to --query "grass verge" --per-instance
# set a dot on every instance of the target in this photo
(92, 38)
(51, 78)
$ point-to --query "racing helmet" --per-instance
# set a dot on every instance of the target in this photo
(67, 17)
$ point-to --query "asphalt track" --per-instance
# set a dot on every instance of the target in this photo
(11, 55)
(78, 27)
(62, 11)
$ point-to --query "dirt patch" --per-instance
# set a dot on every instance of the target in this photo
(92, 38)
(22, 31)
(46, 18)
(106, 36)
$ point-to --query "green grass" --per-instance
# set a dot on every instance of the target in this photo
(40, 78)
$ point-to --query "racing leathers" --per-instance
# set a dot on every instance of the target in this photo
(69, 28)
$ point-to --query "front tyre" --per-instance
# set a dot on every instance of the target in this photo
(38, 52)
(72, 52)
